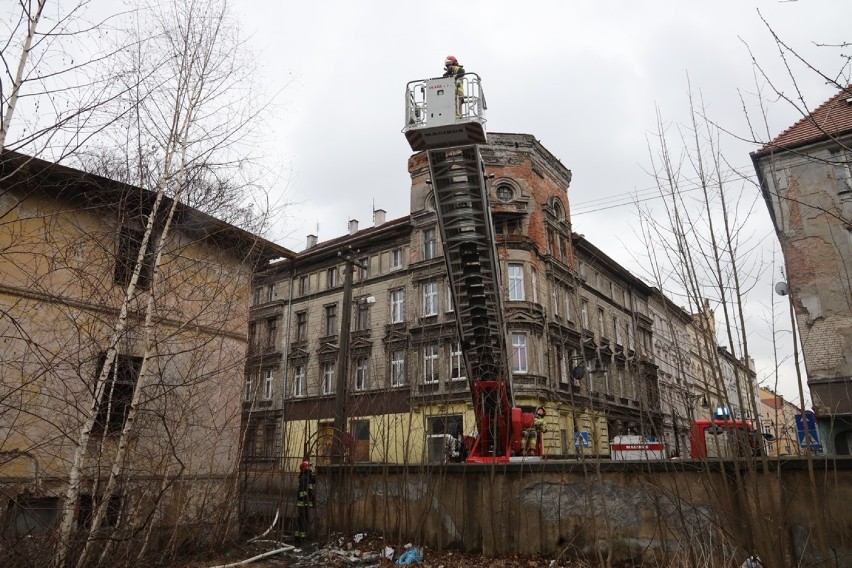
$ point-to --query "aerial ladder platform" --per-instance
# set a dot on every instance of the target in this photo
(450, 131)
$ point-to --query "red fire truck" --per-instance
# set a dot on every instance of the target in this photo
(724, 438)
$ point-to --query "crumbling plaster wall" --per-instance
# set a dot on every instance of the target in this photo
(812, 219)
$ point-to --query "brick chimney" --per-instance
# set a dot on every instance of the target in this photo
(379, 217)
(353, 226)
(312, 241)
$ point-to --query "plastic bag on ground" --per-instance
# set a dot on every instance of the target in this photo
(409, 557)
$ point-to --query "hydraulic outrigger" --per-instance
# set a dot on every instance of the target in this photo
(451, 133)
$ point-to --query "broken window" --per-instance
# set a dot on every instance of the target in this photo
(117, 394)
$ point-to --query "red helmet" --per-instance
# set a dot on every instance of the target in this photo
(305, 465)
(451, 60)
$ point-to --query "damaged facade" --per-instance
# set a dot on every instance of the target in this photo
(579, 332)
(68, 249)
(806, 181)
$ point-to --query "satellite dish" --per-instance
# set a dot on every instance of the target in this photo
(781, 288)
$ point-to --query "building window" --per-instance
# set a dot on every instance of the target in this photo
(616, 326)
(519, 353)
(601, 324)
(566, 295)
(584, 314)
(396, 259)
(129, 243)
(457, 369)
(598, 281)
(430, 363)
(844, 179)
(331, 319)
(253, 338)
(516, 282)
(328, 377)
(270, 292)
(362, 268)
(504, 193)
(269, 440)
(248, 395)
(299, 380)
(258, 295)
(429, 244)
(362, 319)
(398, 368)
(554, 299)
(430, 299)
(301, 326)
(117, 393)
(331, 278)
(397, 299)
(271, 332)
(362, 373)
(450, 307)
(268, 379)
(304, 285)
(31, 516)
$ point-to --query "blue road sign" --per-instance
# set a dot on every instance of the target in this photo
(812, 430)
(581, 440)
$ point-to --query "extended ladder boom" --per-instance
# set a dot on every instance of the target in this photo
(449, 129)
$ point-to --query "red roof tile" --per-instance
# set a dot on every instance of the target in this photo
(832, 117)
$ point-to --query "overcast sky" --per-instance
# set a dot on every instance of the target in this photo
(587, 79)
(584, 78)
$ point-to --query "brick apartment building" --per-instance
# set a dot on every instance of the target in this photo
(806, 182)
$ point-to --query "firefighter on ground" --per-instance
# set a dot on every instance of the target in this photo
(305, 498)
(452, 68)
(539, 426)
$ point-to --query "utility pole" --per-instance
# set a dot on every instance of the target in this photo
(342, 385)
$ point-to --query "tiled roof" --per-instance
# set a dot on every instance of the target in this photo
(832, 117)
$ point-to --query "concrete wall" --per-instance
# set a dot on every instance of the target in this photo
(665, 511)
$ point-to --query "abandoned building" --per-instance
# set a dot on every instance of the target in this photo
(68, 251)
(806, 180)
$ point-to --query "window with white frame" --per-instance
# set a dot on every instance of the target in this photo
(450, 306)
(601, 323)
(430, 362)
(457, 369)
(299, 380)
(362, 373)
(430, 298)
(396, 259)
(516, 282)
(519, 353)
(268, 381)
(584, 314)
(566, 295)
(328, 377)
(398, 367)
(397, 300)
(555, 296)
(429, 244)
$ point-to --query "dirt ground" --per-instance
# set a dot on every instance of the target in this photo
(369, 551)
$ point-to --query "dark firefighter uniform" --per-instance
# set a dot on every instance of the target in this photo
(305, 499)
